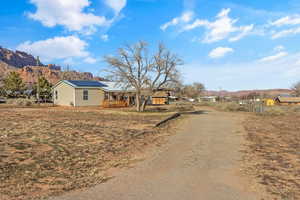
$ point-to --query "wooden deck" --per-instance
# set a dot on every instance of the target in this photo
(114, 104)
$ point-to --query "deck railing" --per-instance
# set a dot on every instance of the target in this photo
(114, 104)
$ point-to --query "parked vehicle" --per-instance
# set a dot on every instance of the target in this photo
(2, 100)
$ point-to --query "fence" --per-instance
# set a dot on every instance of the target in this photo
(114, 104)
(256, 107)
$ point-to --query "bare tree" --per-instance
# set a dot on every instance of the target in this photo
(134, 67)
(296, 89)
(199, 87)
(192, 91)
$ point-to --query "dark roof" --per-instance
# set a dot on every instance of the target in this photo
(289, 99)
(86, 83)
(104, 85)
(160, 94)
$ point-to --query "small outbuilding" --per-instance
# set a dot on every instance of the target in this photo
(287, 100)
(160, 98)
(212, 99)
(269, 102)
(90, 93)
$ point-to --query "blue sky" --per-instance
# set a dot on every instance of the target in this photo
(225, 44)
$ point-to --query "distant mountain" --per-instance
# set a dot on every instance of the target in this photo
(30, 68)
(17, 59)
(244, 93)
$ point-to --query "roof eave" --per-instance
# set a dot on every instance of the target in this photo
(106, 90)
(69, 83)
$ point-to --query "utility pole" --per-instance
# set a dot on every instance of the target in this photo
(38, 82)
(220, 94)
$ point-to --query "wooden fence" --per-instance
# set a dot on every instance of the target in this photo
(256, 107)
(114, 104)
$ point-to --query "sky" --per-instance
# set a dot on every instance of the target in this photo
(225, 44)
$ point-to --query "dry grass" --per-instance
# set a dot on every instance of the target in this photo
(225, 106)
(273, 154)
(20, 102)
(47, 151)
(281, 110)
(230, 107)
(268, 110)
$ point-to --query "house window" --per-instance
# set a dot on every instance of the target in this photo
(85, 95)
(56, 94)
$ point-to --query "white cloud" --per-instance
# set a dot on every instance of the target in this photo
(197, 23)
(245, 30)
(104, 37)
(220, 52)
(116, 5)
(286, 26)
(221, 28)
(56, 48)
(285, 33)
(288, 20)
(279, 48)
(274, 57)
(184, 18)
(67, 13)
(90, 60)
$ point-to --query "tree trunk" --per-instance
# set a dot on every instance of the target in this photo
(138, 102)
(144, 104)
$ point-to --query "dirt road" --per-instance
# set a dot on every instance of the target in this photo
(200, 162)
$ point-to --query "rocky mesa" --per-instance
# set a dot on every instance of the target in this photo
(30, 68)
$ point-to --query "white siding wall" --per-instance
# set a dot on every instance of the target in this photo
(65, 95)
(95, 97)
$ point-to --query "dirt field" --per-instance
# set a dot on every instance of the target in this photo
(273, 155)
(47, 151)
(201, 161)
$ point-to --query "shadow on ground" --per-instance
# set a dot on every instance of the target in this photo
(198, 112)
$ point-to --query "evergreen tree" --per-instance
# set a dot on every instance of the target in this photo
(13, 84)
(43, 89)
(2, 92)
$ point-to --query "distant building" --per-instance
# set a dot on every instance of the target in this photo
(54, 67)
(287, 100)
(284, 95)
(269, 102)
(208, 99)
(90, 93)
(160, 98)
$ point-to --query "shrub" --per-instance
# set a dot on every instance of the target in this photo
(273, 111)
(20, 102)
(230, 107)
(295, 109)
(281, 110)
(206, 103)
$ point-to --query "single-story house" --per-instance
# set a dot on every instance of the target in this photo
(160, 98)
(287, 100)
(91, 93)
